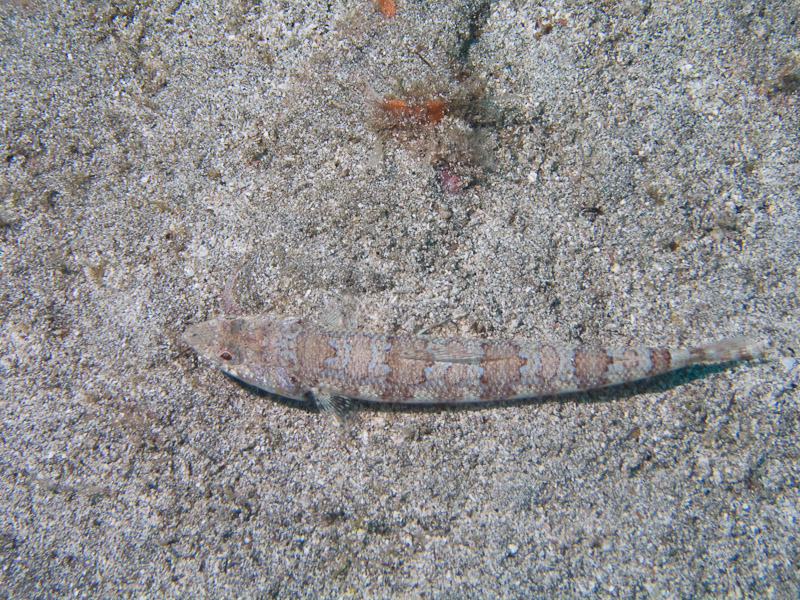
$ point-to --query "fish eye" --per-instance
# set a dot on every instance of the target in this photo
(225, 355)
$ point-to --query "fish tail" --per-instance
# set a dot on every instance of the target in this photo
(726, 351)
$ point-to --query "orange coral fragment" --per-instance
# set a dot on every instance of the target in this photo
(396, 107)
(433, 110)
(388, 8)
(427, 112)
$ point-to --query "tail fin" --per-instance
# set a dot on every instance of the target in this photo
(727, 350)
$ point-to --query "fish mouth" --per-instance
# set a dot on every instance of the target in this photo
(197, 336)
(190, 336)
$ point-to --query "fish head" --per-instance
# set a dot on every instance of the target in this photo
(249, 349)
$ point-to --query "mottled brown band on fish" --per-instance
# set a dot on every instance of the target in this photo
(660, 361)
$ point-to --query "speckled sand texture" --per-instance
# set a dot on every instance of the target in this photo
(605, 173)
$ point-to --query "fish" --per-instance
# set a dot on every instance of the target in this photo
(299, 359)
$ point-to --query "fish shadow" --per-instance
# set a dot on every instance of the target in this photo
(621, 391)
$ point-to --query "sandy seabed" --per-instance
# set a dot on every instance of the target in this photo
(567, 172)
